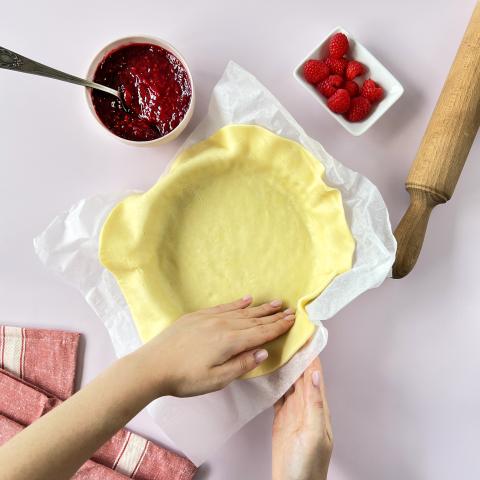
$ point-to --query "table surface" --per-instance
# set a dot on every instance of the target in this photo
(402, 363)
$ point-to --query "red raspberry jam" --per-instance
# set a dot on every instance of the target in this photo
(155, 87)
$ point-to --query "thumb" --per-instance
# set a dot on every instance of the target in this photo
(314, 391)
(317, 410)
(241, 364)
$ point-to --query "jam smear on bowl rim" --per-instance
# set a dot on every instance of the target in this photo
(155, 87)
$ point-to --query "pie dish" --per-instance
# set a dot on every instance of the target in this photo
(244, 211)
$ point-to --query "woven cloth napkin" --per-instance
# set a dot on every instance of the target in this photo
(37, 372)
(45, 358)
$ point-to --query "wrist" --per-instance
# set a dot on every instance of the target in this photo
(150, 372)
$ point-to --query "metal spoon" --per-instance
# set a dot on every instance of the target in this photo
(13, 61)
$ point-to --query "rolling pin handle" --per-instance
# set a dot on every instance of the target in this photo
(410, 232)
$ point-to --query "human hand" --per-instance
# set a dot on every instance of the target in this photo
(205, 350)
(302, 437)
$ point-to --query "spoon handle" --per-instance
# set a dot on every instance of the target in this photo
(14, 61)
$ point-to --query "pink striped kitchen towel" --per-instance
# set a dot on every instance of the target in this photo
(23, 401)
(46, 358)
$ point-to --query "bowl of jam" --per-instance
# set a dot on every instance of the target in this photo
(155, 86)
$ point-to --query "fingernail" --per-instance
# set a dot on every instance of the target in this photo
(316, 378)
(290, 317)
(276, 303)
(247, 298)
(260, 356)
(288, 310)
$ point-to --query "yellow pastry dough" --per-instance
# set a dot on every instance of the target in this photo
(245, 211)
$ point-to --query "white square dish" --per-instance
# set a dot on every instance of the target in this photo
(375, 70)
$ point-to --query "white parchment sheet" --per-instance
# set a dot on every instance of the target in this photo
(69, 247)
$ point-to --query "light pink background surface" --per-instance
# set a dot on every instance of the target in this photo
(402, 364)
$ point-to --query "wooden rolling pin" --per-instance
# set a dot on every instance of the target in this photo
(444, 148)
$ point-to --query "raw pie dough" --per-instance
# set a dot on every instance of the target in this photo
(245, 211)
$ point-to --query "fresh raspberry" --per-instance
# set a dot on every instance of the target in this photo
(335, 80)
(339, 102)
(352, 88)
(354, 69)
(326, 89)
(359, 109)
(315, 71)
(338, 45)
(330, 85)
(336, 65)
(371, 91)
